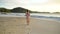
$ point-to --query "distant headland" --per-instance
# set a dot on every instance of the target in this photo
(22, 10)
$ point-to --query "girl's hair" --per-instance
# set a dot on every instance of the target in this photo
(27, 11)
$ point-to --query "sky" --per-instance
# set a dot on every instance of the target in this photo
(34, 5)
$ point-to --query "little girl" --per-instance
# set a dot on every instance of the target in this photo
(27, 17)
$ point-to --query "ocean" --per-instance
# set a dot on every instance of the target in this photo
(34, 15)
(47, 16)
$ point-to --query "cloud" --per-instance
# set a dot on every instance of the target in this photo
(10, 3)
(38, 5)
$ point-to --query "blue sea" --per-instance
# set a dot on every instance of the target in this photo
(47, 16)
(35, 15)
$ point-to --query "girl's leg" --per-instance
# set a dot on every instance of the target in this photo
(27, 20)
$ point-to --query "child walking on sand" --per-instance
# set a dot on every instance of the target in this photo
(27, 17)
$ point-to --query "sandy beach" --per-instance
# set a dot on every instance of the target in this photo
(17, 25)
(44, 26)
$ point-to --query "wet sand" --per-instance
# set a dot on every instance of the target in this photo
(17, 25)
(44, 26)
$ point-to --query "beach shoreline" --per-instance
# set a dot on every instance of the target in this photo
(17, 25)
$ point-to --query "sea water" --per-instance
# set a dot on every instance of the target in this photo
(34, 15)
(48, 16)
